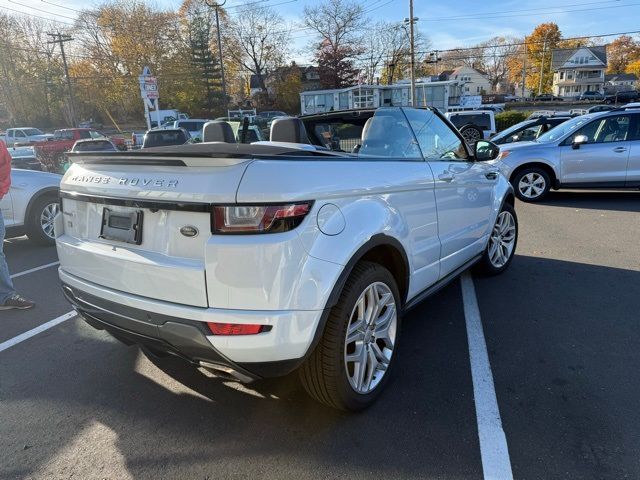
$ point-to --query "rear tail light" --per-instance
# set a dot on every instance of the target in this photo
(237, 328)
(242, 219)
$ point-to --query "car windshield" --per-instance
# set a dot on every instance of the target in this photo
(32, 131)
(95, 146)
(159, 138)
(511, 130)
(192, 125)
(563, 129)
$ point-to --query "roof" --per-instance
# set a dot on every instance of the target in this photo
(559, 56)
(456, 71)
(620, 77)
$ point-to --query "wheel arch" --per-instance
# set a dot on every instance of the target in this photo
(384, 250)
(47, 191)
(537, 164)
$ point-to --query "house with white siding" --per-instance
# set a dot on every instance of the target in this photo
(578, 70)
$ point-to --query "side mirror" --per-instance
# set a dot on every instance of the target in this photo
(485, 150)
(579, 140)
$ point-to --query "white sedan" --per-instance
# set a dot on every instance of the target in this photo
(31, 205)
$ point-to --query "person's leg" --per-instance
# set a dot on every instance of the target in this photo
(9, 299)
(6, 285)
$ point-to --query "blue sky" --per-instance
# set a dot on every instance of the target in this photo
(442, 22)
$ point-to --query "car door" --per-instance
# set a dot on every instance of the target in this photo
(6, 206)
(603, 159)
(464, 190)
(633, 164)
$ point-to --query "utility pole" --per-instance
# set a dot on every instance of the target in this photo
(215, 5)
(412, 53)
(544, 48)
(524, 69)
(61, 39)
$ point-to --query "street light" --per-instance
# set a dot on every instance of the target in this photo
(215, 5)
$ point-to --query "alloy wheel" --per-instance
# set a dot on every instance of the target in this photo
(370, 338)
(502, 240)
(47, 217)
(532, 185)
(471, 135)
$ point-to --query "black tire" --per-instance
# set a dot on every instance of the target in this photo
(324, 374)
(471, 134)
(33, 224)
(485, 266)
(530, 195)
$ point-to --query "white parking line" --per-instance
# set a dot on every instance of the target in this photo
(45, 326)
(493, 442)
(31, 270)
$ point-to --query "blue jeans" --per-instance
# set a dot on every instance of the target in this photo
(6, 285)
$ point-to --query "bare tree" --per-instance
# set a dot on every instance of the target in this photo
(340, 25)
(495, 54)
(259, 39)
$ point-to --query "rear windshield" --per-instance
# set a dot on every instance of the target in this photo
(192, 126)
(159, 138)
(482, 120)
(97, 146)
(32, 131)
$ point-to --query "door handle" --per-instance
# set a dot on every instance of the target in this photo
(620, 149)
(491, 175)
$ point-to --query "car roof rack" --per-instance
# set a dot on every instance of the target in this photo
(628, 106)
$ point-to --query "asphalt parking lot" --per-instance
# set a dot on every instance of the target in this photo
(562, 332)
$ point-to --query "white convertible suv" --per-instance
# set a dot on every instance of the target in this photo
(253, 260)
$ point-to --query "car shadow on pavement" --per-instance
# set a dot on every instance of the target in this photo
(176, 422)
(564, 354)
(624, 201)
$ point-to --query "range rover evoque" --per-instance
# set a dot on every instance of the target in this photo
(256, 260)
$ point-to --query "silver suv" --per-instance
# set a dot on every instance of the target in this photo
(599, 150)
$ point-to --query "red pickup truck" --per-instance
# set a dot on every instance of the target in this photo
(64, 139)
(51, 153)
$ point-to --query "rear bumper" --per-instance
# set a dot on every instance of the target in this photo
(182, 331)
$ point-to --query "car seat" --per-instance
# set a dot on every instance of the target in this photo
(289, 130)
(218, 131)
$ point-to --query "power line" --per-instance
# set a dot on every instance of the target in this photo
(528, 14)
(501, 12)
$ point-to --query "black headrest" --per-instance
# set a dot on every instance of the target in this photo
(290, 129)
(218, 131)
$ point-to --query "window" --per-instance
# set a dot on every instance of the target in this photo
(389, 136)
(436, 139)
(482, 120)
(63, 135)
(634, 133)
(561, 75)
(19, 134)
(605, 130)
(82, 133)
(95, 134)
(339, 136)
(526, 134)
(363, 98)
(33, 131)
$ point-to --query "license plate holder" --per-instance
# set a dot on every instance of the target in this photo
(122, 226)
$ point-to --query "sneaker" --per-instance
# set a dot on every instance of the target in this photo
(18, 302)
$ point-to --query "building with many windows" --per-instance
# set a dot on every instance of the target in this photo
(472, 81)
(578, 70)
(439, 94)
